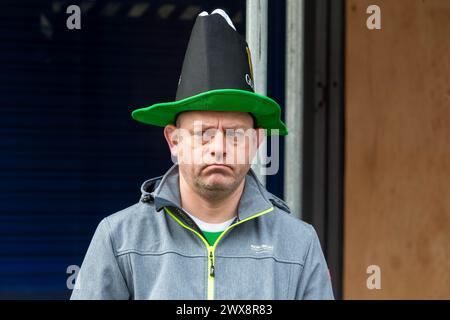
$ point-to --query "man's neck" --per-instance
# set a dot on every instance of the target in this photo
(210, 210)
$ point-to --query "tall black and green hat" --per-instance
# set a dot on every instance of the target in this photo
(217, 75)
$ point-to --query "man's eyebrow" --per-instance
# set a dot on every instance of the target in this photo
(236, 126)
(203, 126)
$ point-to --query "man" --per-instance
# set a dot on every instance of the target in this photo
(208, 229)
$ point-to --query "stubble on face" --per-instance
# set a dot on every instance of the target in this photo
(216, 184)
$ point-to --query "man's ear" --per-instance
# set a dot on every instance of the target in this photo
(172, 137)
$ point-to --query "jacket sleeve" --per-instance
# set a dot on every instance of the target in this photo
(315, 281)
(100, 276)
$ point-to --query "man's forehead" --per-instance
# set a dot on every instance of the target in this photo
(212, 118)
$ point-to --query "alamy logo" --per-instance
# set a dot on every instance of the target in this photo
(240, 145)
(74, 20)
(374, 280)
(73, 272)
(374, 20)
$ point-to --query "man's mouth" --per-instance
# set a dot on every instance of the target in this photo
(218, 166)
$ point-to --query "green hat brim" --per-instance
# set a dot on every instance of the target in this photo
(265, 110)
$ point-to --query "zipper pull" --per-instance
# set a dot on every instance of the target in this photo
(211, 272)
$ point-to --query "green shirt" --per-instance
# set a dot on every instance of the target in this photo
(212, 236)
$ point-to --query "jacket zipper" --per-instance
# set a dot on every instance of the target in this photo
(211, 249)
(211, 259)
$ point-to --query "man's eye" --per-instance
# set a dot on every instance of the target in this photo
(203, 136)
(235, 134)
(208, 134)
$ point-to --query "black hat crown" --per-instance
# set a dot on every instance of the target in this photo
(217, 57)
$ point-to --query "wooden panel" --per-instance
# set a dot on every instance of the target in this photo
(397, 180)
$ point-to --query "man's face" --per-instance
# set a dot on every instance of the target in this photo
(214, 149)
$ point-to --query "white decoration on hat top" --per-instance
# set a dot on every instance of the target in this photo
(222, 13)
(225, 16)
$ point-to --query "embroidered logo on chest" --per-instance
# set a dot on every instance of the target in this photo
(263, 248)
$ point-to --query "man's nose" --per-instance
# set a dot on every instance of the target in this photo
(218, 146)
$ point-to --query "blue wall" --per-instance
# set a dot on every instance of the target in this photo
(70, 152)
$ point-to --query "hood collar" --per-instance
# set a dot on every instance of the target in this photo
(165, 191)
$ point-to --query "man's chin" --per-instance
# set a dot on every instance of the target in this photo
(217, 182)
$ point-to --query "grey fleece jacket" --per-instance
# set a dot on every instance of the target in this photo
(153, 250)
